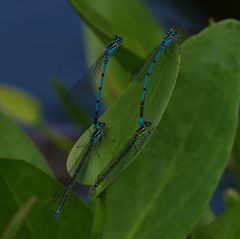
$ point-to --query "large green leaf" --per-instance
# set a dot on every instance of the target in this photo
(163, 193)
(226, 226)
(15, 144)
(21, 183)
(122, 118)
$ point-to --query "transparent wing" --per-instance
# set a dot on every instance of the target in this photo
(141, 71)
(121, 162)
(71, 202)
(171, 48)
(133, 151)
(77, 91)
(79, 158)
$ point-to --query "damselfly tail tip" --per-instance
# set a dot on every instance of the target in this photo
(56, 214)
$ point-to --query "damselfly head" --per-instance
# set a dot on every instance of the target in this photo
(99, 125)
(174, 29)
(176, 32)
(91, 190)
(117, 39)
(143, 128)
(147, 124)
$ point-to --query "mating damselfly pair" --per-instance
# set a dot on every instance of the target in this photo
(142, 133)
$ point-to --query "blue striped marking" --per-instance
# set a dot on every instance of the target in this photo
(110, 50)
(92, 74)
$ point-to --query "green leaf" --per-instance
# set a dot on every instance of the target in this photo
(123, 117)
(19, 182)
(226, 226)
(164, 192)
(231, 197)
(20, 105)
(206, 218)
(236, 154)
(98, 223)
(14, 143)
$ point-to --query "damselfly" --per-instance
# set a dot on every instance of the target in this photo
(155, 55)
(97, 135)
